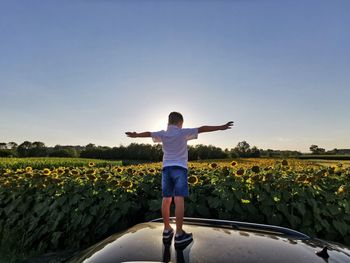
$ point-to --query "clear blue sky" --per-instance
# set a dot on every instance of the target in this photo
(79, 72)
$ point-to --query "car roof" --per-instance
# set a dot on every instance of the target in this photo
(213, 241)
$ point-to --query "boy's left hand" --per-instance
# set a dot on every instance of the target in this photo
(131, 134)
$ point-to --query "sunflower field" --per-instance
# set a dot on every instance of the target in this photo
(52, 162)
(54, 208)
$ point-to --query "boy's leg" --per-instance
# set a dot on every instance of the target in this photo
(181, 191)
(179, 212)
(167, 192)
(166, 212)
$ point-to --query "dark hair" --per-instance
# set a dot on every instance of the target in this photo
(175, 118)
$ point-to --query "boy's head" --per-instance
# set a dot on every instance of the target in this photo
(175, 118)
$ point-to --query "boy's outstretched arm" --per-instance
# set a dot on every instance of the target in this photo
(215, 128)
(140, 134)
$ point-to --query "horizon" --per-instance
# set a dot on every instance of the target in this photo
(74, 73)
(126, 145)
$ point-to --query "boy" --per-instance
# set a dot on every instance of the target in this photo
(174, 169)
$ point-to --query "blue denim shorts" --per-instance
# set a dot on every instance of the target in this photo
(174, 181)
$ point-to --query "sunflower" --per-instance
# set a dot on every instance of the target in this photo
(193, 180)
(91, 171)
(130, 170)
(284, 162)
(118, 169)
(74, 172)
(213, 165)
(126, 184)
(338, 171)
(60, 171)
(256, 169)
(240, 172)
(225, 171)
(29, 169)
(104, 176)
(7, 182)
(113, 183)
(47, 171)
(91, 164)
(341, 189)
(233, 163)
(152, 171)
(91, 177)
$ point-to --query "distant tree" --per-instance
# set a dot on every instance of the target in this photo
(91, 153)
(63, 151)
(192, 153)
(6, 150)
(316, 150)
(38, 144)
(254, 152)
(12, 145)
(321, 150)
(209, 152)
(29, 149)
(233, 154)
(6, 153)
(266, 153)
(24, 148)
(334, 151)
(116, 153)
(3, 145)
(90, 145)
(243, 146)
(242, 150)
(38, 149)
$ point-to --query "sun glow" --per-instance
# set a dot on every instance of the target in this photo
(159, 123)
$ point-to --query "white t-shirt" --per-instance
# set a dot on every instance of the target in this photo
(174, 144)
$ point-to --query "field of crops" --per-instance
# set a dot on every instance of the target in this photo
(58, 207)
(52, 162)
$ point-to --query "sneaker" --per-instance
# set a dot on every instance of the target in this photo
(168, 234)
(184, 237)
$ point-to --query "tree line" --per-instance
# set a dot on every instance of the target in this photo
(135, 151)
(322, 151)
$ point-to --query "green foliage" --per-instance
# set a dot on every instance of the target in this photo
(201, 152)
(7, 153)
